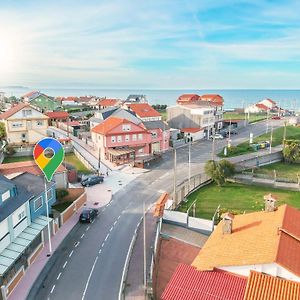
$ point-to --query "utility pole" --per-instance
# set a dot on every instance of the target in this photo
(229, 135)
(145, 263)
(284, 134)
(213, 146)
(48, 222)
(267, 128)
(189, 141)
(271, 139)
(99, 161)
(174, 183)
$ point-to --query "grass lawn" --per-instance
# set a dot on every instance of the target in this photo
(163, 113)
(71, 159)
(282, 170)
(12, 159)
(292, 133)
(235, 196)
(62, 206)
(252, 117)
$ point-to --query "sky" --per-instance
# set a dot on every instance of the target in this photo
(163, 44)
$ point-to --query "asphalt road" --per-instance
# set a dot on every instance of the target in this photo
(92, 257)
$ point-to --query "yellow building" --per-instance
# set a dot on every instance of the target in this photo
(24, 124)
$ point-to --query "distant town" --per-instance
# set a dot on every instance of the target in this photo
(194, 200)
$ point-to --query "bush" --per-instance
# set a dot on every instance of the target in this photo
(9, 150)
(61, 194)
(219, 171)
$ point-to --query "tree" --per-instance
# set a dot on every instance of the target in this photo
(219, 171)
(2, 131)
(291, 151)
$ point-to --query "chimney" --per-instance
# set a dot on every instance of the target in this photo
(227, 222)
(270, 201)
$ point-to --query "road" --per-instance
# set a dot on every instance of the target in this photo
(91, 259)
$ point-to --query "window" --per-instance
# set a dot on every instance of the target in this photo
(113, 139)
(38, 203)
(21, 215)
(5, 195)
(140, 136)
(27, 112)
(141, 150)
(134, 137)
(119, 138)
(49, 195)
(154, 135)
(127, 137)
(16, 124)
(40, 123)
(126, 127)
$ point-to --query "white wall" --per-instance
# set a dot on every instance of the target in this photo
(271, 269)
(16, 220)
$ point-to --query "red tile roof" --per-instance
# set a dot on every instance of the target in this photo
(13, 110)
(214, 98)
(262, 106)
(265, 287)
(270, 100)
(110, 123)
(188, 98)
(25, 166)
(143, 110)
(57, 115)
(191, 130)
(30, 94)
(108, 102)
(189, 284)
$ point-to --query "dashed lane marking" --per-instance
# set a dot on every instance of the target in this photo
(65, 264)
(106, 237)
(115, 223)
(87, 228)
(57, 278)
(52, 289)
(71, 253)
(82, 236)
(89, 278)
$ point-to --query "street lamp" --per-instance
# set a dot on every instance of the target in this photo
(189, 141)
(229, 135)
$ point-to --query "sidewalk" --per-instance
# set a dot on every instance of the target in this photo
(32, 273)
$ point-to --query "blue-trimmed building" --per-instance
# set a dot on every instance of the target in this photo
(23, 225)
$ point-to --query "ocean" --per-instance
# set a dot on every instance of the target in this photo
(233, 98)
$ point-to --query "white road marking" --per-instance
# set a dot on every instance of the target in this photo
(52, 289)
(163, 176)
(65, 264)
(71, 253)
(102, 245)
(100, 251)
(82, 236)
(106, 237)
(115, 223)
(58, 276)
(76, 244)
(87, 228)
(87, 283)
(119, 217)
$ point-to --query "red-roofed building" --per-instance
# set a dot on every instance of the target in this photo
(195, 133)
(104, 103)
(11, 170)
(120, 140)
(57, 116)
(145, 111)
(188, 99)
(189, 284)
(214, 99)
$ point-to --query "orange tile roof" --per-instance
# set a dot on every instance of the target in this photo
(25, 166)
(215, 98)
(143, 110)
(257, 238)
(13, 110)
(30, 94)
(57, 114)
(266, 287)
(108, 102)
(192, 129)
(262, 106)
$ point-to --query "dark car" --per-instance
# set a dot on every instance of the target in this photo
(92, 180)
(88, 215)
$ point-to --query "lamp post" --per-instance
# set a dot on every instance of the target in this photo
(213, 146)
(189, 141)
(229, 135)
(174, 179)
(99, 161)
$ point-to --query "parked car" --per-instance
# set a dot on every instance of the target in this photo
(276, 118)
(217, 136)
(92, 180)
(88, 215)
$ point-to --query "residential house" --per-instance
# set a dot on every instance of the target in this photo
(11, 170)
(106, 102)
(269, 103)
(200, 115)
(263, 107)
(217, 102)
(194, 134)
(57, 116)
(23, 223)
(120, 140)
(24, 124)
(41, 101)
(136, 99)
(188, 99)
(144, 111)
(266, 241)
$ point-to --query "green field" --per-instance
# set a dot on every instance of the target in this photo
(12, 159)
(71, 159)
(235, 197)
(163, 113)
(239, 116)
(282, 169)
(292, 133)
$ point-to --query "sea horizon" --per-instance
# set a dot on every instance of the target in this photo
(233, 98)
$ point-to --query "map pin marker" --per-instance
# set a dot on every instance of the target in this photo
(48, 165)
